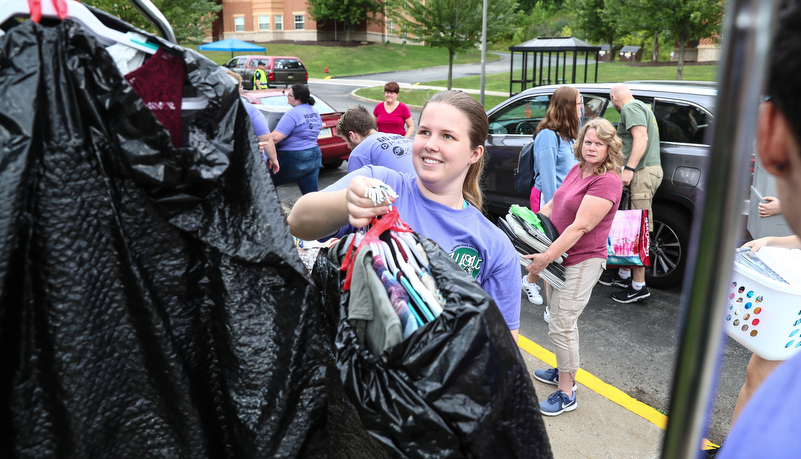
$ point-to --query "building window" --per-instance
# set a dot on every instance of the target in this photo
(264, 22)
(279, 22)
(239, 23)
(299, 22)
(391, 27)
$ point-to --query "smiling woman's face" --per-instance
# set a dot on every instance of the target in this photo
(390, 96)
(441, 148)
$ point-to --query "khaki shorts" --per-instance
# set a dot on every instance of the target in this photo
(643, 187)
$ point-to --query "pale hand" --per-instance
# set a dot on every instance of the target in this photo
(361, 209)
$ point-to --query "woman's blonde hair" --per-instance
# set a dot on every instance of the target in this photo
(477, 132)
(607, 134)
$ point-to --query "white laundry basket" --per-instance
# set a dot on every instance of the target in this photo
(762, 312)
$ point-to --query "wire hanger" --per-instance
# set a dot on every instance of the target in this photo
(75, 11)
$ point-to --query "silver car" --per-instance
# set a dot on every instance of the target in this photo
(683, 111)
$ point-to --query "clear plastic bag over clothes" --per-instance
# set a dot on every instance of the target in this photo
(457, 387)
(152, 303)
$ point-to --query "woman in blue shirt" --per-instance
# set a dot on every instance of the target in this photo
(553, 159)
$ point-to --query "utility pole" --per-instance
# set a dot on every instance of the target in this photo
(483, 49)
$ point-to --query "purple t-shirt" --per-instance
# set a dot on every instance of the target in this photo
(566, 202)
(381, 149)
(301, 125)
(478, 246)
(257, 119)
(392, 123)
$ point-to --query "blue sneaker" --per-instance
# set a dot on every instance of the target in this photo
(550, 376)
(558, 403)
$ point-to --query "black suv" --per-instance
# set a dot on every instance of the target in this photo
(683, 112)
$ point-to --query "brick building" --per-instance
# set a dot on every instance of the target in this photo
(268, 20)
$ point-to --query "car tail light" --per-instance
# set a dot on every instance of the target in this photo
(307, 76)
(271, 76)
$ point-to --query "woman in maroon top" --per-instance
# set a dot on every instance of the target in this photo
(582, 210)
(391, 116)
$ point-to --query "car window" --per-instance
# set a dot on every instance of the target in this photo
(679, 122)
(288, 64)
(254, 63)
(231, 64)
(274, 101)
(240, 63)
(594, 106)
(521, 116)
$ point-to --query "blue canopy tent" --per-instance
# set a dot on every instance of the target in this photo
(231, 44)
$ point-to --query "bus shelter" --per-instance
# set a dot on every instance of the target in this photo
(541, 60)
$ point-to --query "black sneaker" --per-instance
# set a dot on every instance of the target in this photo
(630, 295)
(613, 279)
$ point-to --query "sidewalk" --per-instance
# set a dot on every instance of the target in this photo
(603, 426)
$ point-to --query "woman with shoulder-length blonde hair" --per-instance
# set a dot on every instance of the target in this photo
(553, 158)
(443, 202)
(582, 210)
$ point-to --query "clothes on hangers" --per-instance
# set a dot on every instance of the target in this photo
(153, 297)
(370, 310)
(399, 298)
(484, 251)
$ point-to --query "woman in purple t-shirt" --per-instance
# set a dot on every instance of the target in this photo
(295, 138)
(582, 210)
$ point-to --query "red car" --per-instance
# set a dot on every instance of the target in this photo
(273, 104)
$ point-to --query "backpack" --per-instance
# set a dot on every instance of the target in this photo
(525, 173)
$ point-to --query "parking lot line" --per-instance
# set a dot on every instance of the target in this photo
(596, 385)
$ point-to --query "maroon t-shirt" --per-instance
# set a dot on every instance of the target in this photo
(159, 82)
(566, 202)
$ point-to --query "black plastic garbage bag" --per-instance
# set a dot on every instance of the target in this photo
(457, 387)
(152, 303)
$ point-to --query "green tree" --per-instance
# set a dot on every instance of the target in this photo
(452, 24)
(348, 12)
(594, 20)
(189, 19)
(682, 20)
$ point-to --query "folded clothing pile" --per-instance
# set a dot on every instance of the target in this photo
(533, 233)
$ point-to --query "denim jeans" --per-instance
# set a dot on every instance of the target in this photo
(302, 167)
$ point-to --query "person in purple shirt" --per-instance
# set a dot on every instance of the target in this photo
(260, 127)
(295, 136)
(442, 202)
(369, 146)
(769, 424)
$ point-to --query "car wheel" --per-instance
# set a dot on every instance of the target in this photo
(333, 165)
(668, 247)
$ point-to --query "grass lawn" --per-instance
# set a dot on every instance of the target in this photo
(378, 58)
(420, 96)
(359, 60)
(608, 72)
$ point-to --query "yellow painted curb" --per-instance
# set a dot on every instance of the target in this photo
(596, 385)
(327, 78)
